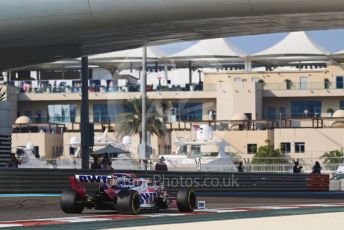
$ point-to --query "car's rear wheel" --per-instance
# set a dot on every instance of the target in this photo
(128, 202)
(186, 200)
(69, 201)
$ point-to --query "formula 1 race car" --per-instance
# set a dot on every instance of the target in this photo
(125, 193)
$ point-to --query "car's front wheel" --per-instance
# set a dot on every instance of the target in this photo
(128, 202)
(69, 201)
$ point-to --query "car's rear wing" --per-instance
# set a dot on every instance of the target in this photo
(92, 178)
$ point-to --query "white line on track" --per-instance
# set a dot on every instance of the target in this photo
(95, 218)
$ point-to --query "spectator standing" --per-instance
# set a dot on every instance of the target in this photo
(55, 87)
(297, 167)
(241, 167)
(210, 115)
(106, 162)
(214, 115)
(316, 168)
(161, 165)
(95, 164)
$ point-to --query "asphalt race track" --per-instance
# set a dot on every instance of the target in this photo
(21, 208)
(14, 209)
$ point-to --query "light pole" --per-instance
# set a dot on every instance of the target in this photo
(84, 121)
(199, 76)
(143, 147)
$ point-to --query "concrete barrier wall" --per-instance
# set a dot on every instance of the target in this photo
(54, 181)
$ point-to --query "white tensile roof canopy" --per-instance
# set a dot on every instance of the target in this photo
(294, 44)
(126, 59)
(338, 56)
(296, 47)
(341, 52)
(132, 54)
(210, 48)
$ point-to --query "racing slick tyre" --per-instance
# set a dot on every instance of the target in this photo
(186, 200)
(128, 202)
(69, 202)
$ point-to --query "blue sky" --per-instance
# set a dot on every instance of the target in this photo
(332, 40)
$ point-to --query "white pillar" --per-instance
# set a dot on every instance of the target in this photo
(248, 65)
(165, 74)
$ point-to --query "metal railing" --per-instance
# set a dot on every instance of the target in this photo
(273, 168)
(197, 165)
(114, 89)
(302, 86)
(287, 168)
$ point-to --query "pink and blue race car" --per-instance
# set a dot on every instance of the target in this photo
(125, 193)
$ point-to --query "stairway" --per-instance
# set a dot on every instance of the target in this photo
(5, 150)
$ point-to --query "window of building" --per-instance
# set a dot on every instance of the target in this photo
(340, 82)
(100, 113)
(249, 116)
(188, 111)
(61, 151)
(184, 149)
(255, 79)
(106, 112)
(38, 116)
(62, 113)
(237, 79)
(271, 113)
(303, 82)
(195, 149)
(28, 113)
(251, 148)
(285, 147)
(327, 83)
(282, 112)
(36, 151)
(299, 147)
(72, 112)
(72, 151)
(94, 85)
(305, 108)
(341, 105)
(289, 84)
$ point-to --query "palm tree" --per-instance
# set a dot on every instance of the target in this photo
(333, 157)
(2, 94)
(130, 122)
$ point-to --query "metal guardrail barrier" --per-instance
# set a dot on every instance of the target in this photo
(67, 87)
(54, 181)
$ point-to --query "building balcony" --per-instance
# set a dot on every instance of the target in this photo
(303, 89)
(49, 93)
